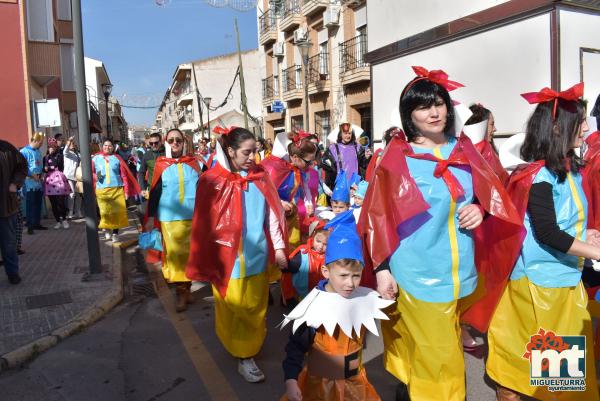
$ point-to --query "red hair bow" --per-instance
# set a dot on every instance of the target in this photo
(547, 95)
(299, 136)
(223, 131)
(437, 76)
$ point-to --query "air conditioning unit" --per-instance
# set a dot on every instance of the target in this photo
(300, 35)
(278, 49)
(331, 16)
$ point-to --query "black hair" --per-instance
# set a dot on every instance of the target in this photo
(480, 113)
(57, 135)
(421, 92)
(552, 139)
(108, 140)
(155, 135)
(235, 138)
(339, 137)
(596, 112)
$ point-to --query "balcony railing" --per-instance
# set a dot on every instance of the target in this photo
(95, 124)
(268, 90)
(291, 7)
(352, 53)
(267, 21)
(318, 68)
(292, 78)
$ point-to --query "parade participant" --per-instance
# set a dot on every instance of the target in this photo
(260, 150)
(113, 183)
(330, 324)
(171, 208)
(545, 296)
(340, 198)
(33, 183)
(238, 221)
(71, 161)
(129, 157)
(147, 163)
(480, 128)
(56, 185)
(207, 159)
(426, 196)
(359, 197)
(305, 262)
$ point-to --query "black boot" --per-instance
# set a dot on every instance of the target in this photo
(402, 392)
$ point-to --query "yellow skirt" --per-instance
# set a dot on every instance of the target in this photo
(423, 350)
(525, 308)
(113, 212)
(176, 243)
(240, 316)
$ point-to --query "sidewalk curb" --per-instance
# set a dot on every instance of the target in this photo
(87, 317)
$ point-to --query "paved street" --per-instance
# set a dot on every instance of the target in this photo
(139, 352)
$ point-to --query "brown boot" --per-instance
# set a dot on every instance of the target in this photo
(506, 394)
(189, 297)
(181, 291)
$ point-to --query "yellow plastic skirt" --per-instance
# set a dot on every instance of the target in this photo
(422, 348)
(113, 212)
(176, 245)
(240, 316)
(525, 308)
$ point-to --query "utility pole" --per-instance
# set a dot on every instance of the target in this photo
(89, 197)
(199, 101)
(242, 84)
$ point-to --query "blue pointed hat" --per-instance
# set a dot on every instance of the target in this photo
(344, 242)
(341, 192)
(361, 190)
(354, 179)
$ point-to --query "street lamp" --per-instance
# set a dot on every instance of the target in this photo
(305, 46)
(106, 89)
(206, 101)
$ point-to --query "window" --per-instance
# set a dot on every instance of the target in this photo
(323, 58)
(297, 122)
(298, 71)
(64, 10)
(40, 20)
(322, 125)
(362, 45)
(67, 67)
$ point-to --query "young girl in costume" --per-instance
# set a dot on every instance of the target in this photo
(359, 197)
(545, 298)
(56, 185)
(171, 207)
(329, 326)
(238, 222)
(114, 183)
(305, 262)
(427, 194)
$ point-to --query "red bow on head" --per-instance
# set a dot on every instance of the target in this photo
(300, 135)
(223, 131)
(547, 95)
(436, 76)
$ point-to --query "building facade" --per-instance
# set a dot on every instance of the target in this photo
(333, 75)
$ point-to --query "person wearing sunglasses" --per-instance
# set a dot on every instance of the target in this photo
(147, 163)
(170, 210)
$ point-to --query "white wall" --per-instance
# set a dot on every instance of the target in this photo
(495, 66)
(393, 20)
(579, 29)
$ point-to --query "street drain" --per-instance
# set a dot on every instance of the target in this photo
(54, 298)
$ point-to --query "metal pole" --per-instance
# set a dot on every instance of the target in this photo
(242, 83)
(198, 100)
(107, 124)
(306, 119)
(89, 197)
(208, 117)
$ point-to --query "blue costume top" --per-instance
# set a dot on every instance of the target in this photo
(300, 278)
(108, 171)
(34, 166)
(435, 260)
(545, 266)
(178, 193)
(253, 253)
(289, 184)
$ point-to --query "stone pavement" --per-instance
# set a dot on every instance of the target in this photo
(53, 266)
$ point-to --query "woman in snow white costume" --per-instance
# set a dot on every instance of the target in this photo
(238, 223)
(426, 196)
(545, 299)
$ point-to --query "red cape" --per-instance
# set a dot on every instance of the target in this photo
(130, 184)
(277, 168)
(217, 222)
(393, 198)
(373, 164)
(591, 179)
(490, 156)
(315, 261)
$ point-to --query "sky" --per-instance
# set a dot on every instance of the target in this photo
(141, 44)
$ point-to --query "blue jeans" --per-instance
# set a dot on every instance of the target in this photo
(33, 207)
(8, 244)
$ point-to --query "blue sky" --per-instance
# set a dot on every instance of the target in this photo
(141, 43)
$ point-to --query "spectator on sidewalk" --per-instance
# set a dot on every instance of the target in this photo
(33, 183)
(71, 162)
(56, 185)
(13, 170)
(148, 161)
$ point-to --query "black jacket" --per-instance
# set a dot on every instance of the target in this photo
(13, 170)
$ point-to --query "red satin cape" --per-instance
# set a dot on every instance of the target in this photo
(487, 151)
(315, 261)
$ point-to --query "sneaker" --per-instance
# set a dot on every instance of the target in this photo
(108, 235)
(248, 369)
(115, 238)
(57, 225)
(70, 216)
(65, 224)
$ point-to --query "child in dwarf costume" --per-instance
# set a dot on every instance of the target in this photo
(340, 198)
(305, 262)
(329, 326)
(426, 196)
(545, 297)
(359, 198)
(114, 183)
(238, 224)
(171, 208)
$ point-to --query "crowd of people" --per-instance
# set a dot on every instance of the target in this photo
(428, 234)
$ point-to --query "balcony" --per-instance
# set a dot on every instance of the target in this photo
(353, 67)
(267, 23)
(318, 73)
(291, 79)
(95, 124)
(268, 90)
(291, 15)
(311, 7)
(44, 61)
(354, 3)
